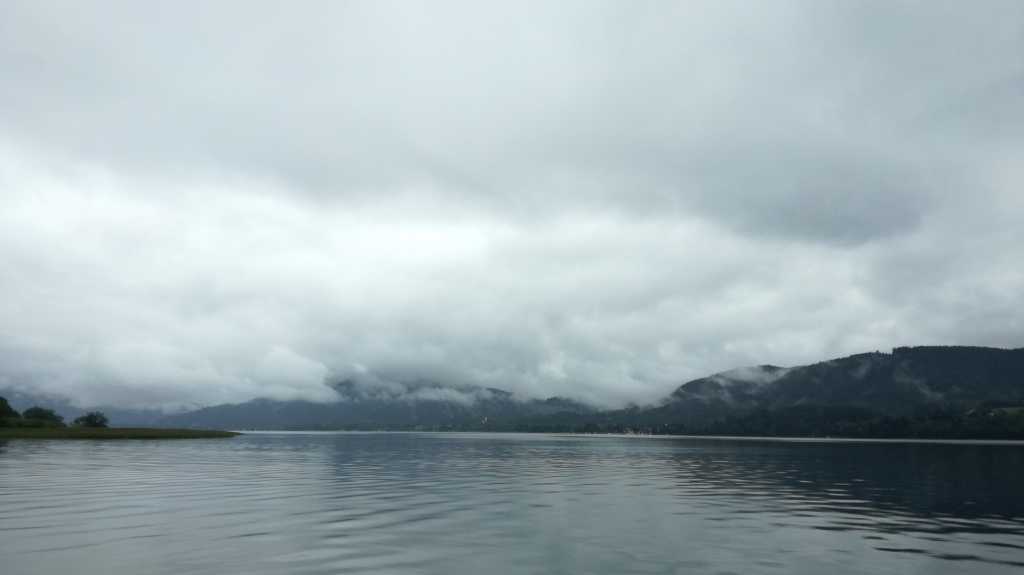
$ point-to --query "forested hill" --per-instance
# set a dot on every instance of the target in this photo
(956, 392)
(913, 391)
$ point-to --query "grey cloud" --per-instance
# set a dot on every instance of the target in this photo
(812, 192)
(204, 202)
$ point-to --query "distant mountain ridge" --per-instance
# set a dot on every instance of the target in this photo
(419, 405)
(876, 393)
(955, 391)
(900, 383)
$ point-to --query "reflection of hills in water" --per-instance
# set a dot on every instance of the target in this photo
(917, 478)
(950, 502)
(905, 497)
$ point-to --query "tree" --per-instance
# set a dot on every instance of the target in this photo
(6, 410)
(92, 419)
(43, 414)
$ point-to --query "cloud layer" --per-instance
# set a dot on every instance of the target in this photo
(206, 202)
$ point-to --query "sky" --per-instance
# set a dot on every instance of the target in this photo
(206, 202)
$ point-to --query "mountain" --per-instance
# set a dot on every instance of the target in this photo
(422, 405)
(898, 384)
(911, 392)
(923, 391)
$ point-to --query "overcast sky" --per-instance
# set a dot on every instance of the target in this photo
(210, 201)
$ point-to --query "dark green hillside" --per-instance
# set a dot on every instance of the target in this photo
(956, 392)
(965, 374)
(933, 392)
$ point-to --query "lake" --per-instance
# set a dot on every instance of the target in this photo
(455, 503)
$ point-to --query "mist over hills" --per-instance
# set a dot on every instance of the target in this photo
(394, 406)
(913, 391)
(902, 383)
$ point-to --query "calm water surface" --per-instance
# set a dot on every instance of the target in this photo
(493, 503)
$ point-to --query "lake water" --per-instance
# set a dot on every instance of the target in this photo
(496, 503)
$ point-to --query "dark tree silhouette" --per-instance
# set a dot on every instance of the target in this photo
(92, 419)
(43, 414)
(6, 410)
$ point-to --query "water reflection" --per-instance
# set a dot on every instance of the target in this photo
(466, 503)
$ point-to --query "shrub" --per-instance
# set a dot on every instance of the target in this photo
(92, 419)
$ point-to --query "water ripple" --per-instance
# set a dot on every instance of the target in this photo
(467, 503)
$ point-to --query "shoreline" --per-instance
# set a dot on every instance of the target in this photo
(111, 433)
(745, 438)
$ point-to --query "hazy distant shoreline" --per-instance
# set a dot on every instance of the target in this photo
(110, 433)
(749, 438)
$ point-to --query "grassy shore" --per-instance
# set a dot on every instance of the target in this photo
(108, 433)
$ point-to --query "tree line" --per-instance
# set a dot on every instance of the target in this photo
(42, 417)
